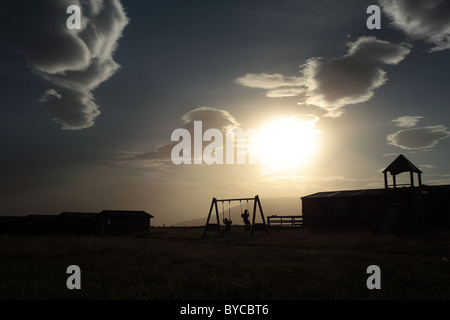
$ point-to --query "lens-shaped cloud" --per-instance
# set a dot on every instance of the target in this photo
(76, 61)
(419, 138)
(211, 118)
(332, 83)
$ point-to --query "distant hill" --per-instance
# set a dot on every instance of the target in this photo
(287, 206)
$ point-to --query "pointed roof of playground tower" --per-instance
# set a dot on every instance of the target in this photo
(401, 164)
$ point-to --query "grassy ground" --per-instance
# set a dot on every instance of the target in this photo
(178, 263)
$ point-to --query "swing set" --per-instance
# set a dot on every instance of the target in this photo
(249, 226)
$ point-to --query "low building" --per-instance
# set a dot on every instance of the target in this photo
(41, 224)
(107, 222)
(342, 209)
(119, 222)
(79, 223)
(11, 224)
(395, 208)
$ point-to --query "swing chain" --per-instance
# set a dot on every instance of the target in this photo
(223, 212)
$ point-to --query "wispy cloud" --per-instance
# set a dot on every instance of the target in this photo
(332, 83)
(210, 118)
(269, 81)
(285, 92)
(427, 20)
(407, 121)
(76, 61)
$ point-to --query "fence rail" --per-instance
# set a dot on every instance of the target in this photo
(285, 221)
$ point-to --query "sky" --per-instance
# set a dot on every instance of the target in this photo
(113, 115)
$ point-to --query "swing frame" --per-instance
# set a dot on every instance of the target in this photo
(254, 227)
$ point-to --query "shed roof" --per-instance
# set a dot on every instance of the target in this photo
(126, 214)
(345, 193)
(401, 164)
(42, 217)
(442, 187)
(12, 218)
(78, 215)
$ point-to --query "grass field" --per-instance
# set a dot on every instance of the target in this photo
(178, 263)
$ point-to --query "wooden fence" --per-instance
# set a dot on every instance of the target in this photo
(285, 221)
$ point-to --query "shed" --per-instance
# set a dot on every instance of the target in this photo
(436, 201)
(408, 208)
(121, 222)
(107, 222)
(41, 224)
(11, 224)
(341, 209)
(79, 223)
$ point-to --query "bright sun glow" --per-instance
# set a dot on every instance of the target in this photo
(288, 143)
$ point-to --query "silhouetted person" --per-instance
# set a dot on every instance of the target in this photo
(227, 226)
(245, 216)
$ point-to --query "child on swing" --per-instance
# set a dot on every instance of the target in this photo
(227, 226)
(245, 216)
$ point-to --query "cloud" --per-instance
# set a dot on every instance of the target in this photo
(420, 138)
(72, 109)
(407, 121)
(269, 81)
(427, 166)
(285, 92)
(76, 61)
(427, 20)
(332, 83)
(210, 117)
(337, 82)
(279, 85)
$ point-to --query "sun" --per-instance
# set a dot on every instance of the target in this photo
(288, 143)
